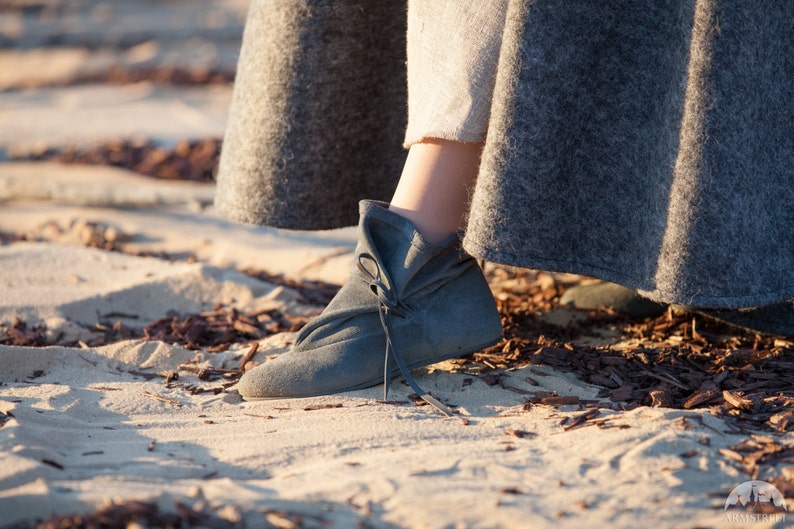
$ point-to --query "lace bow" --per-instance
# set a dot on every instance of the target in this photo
(390, 306)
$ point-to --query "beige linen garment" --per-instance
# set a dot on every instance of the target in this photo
(450, 85)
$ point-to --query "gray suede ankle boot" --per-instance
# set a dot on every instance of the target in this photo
(421, 303)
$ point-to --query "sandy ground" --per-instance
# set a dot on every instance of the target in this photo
(96, 423)
(83, 425)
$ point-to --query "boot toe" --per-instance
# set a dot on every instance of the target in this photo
(343, 366)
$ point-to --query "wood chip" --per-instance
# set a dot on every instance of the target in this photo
(521, 434)
(163, 399)
(580, 420)
(259, 416)
(703, 396)
(510, 490)
(737, 401)
(661, 398)
(249, 355)
(314, 407)
(560, 400)
(731, 454)
(52, 463)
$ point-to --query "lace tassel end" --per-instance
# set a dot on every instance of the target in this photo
(437, 404)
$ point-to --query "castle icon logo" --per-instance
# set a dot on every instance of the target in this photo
(756, 493)
(758, 501)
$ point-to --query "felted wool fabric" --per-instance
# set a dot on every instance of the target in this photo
(648, 143)
(318, 112)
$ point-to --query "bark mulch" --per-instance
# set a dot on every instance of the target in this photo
(8, 238)
(140, 514)
(186, 160)
(182, 516)
(216, 330)
(165, 75)
(19, 333)
(211, 331)
(678, 360)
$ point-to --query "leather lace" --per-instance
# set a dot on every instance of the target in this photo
(390, 306)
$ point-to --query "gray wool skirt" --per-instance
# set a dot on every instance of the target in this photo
(646, 143)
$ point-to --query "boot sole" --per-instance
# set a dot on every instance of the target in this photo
(379, 380)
